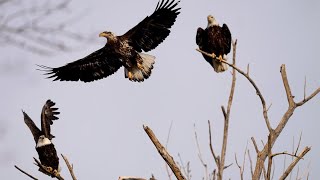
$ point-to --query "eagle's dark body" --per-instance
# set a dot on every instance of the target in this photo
(45, 148)
(48, 156)
(217, 40)
(125, 50)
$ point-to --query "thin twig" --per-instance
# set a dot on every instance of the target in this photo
(309, 97)
(24, 172)
(305, 87)
(240, 168)
(251, 167)
(255, 144)
(295, 153)
(200, 154)
(211, 147)
(164, 153)
(284, 153)
(167, 142)
(183, 167)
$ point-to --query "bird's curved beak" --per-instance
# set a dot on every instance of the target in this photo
(103, 34)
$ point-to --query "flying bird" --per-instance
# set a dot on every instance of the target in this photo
(125, 50)
(215, 39)
(44, 146)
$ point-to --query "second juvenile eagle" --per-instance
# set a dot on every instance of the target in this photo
(125, 50)
(45, 148)
(215, 39)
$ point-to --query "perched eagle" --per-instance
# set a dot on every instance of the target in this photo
(125, 50)
(217, 40)
(45, 148)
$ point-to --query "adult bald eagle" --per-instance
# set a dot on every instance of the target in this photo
(45, 148)
(215, 39)
(125, 50)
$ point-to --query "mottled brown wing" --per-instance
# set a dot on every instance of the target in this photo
(48, 115)
(97, 65)
(152, 30)
(33, 128)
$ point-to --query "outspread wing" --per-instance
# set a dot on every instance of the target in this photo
(33, 128)
(48, 115)
(97, 65)
(227, 38)
(200, 36)
(150, 32)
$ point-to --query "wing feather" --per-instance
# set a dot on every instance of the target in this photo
(48, 115)
(152, 30)
(200, 36)
(97, 65)
(226, 38)
(32, 126)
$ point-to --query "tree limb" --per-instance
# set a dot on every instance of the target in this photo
(294, 162)
(29, 175)
(164, 154)
(265, 112)
(69, 167)
(44, 170)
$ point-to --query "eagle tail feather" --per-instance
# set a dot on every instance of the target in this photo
(219, 66)
(136, 73)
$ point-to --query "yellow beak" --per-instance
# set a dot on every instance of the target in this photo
(103, 34)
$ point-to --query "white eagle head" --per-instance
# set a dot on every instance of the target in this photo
(212, 21)
(42, 141)
(109, 35)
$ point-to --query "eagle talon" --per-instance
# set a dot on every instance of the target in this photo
(50, 169)
(130, 76)
(56, 173)
(213, 55)
(220, 58)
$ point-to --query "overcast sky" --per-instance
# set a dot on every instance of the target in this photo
(100, 126)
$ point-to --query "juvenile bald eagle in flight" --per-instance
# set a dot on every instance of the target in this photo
(125, 50)
(45, 148)
(215, 39)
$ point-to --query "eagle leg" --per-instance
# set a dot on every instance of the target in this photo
(56, 173)
(213, 55)
(130, 76)
(220, 58)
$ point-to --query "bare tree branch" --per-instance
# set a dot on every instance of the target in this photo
(265, 112)
(200, 154)
(227, 115)
(211, 147)
(294, 162)
(164, 153)
(167, 142)
(70, 167)
(29, 175)
(251, 168)
(45, 170)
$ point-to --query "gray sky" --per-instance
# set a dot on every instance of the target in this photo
(100, 126)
